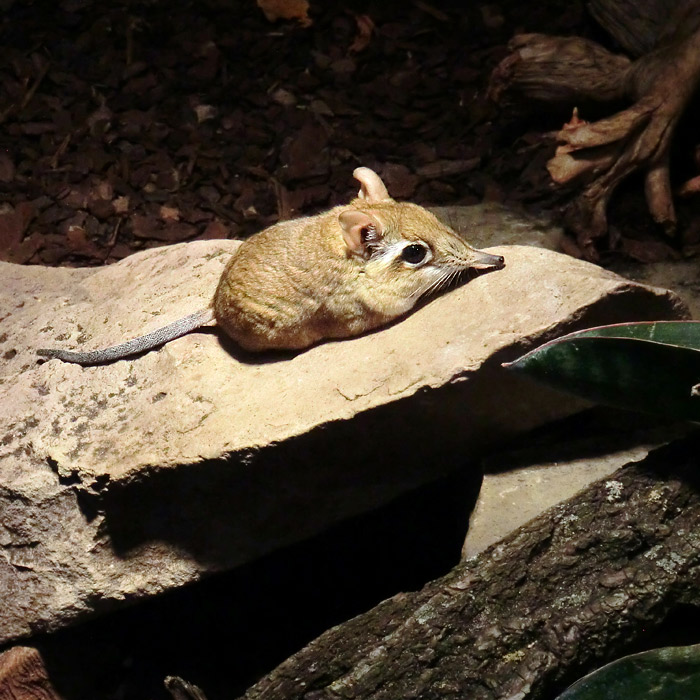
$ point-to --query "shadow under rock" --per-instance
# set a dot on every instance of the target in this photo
(225, 632)
(226, 512)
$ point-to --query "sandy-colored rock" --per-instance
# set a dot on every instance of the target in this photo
(511, 498)
(682, 276)
(121, 481)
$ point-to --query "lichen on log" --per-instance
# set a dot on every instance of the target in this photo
(564, 593)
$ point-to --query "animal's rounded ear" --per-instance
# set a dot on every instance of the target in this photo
(360, 230)
(372, 189)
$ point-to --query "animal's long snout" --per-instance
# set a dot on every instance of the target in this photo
(486, 261)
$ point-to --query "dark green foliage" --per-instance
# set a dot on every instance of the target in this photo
(652, 367)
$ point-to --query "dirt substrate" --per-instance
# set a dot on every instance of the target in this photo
(130, 125)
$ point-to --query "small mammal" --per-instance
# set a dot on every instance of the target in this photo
(334, 275)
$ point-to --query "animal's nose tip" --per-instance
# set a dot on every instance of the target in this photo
(490, 260)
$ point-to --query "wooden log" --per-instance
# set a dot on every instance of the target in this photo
(563, 594)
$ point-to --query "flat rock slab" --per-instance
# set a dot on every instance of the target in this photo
(519, 492)
(120, 481)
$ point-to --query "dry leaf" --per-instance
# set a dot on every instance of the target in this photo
(121, 205)
(204, 112)
(102, 189)
(286, 9)
(365, 27)
(215, 229)
(169, 213)
(7, 167)
(79, 243)
(691, 186)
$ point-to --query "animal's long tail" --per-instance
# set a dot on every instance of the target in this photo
(137, 345)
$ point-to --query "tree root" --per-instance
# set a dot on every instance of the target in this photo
(600, 155)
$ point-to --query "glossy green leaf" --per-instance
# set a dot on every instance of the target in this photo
(672, 673)
(652, 367)
(684, 334)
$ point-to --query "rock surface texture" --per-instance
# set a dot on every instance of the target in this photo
(121, 481)
(517, 488)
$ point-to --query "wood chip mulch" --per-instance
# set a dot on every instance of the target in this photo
(130, 125)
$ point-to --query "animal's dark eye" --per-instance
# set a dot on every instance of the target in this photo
(414, 253)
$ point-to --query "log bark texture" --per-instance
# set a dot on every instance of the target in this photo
(562, 594)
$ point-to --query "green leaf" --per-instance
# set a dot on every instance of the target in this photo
(684, 334)
(672, 673)
(652, 367)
